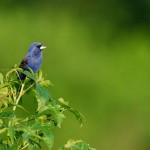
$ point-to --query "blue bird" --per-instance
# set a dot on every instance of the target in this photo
(33, 58)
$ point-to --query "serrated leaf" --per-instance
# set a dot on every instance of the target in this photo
(34, 142)
(42, 92)
(28, 134)
(78, 115)
(48, 137)
(55, 111)
(76, 145)
(42, 97)
(59, 118)
(58, 115)
(31, 146)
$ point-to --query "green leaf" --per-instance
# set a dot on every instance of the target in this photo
(11, 133)
(45, 83)
(3, 130)
(19, 106)
(33, 143)
(3, 147)
(32, 147)
(3, 85)
(40, 74)
(28, 136)
(62, 101)
(30, 75)
(55, 111)
(7, 114)
(48, 137)
(42, 92)
(3, 102)
(76, 145)
(42, 96)
(3, 91)
(58, 115)
(32, 137)
(77, 114)
(25, 137)
(1, 123)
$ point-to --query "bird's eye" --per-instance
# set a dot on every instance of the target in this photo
(38, 46)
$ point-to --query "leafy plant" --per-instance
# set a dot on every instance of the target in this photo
(76, 145)
(19, 133)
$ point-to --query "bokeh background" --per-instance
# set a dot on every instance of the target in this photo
(98, 58)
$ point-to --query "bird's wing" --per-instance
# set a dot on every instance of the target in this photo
(24, 63)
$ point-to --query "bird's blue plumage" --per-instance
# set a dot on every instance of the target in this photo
(33, 58)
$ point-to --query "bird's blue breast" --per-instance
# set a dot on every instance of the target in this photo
(34, 63)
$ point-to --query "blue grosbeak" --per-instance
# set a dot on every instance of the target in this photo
(33, 58)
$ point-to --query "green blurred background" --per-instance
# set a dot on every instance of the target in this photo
(97, 57)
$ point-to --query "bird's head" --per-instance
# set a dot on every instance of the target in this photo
(36, 48)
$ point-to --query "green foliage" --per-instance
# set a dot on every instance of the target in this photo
(29, 132)
(76, 145)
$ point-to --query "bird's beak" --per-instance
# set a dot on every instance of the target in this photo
(42, 47)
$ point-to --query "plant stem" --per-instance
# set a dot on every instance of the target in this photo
(25, 146)
(29, 87)
(20, 94)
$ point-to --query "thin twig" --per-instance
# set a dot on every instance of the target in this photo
(20, 94)
(29, 87)
(25, 146)
(18, 76)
